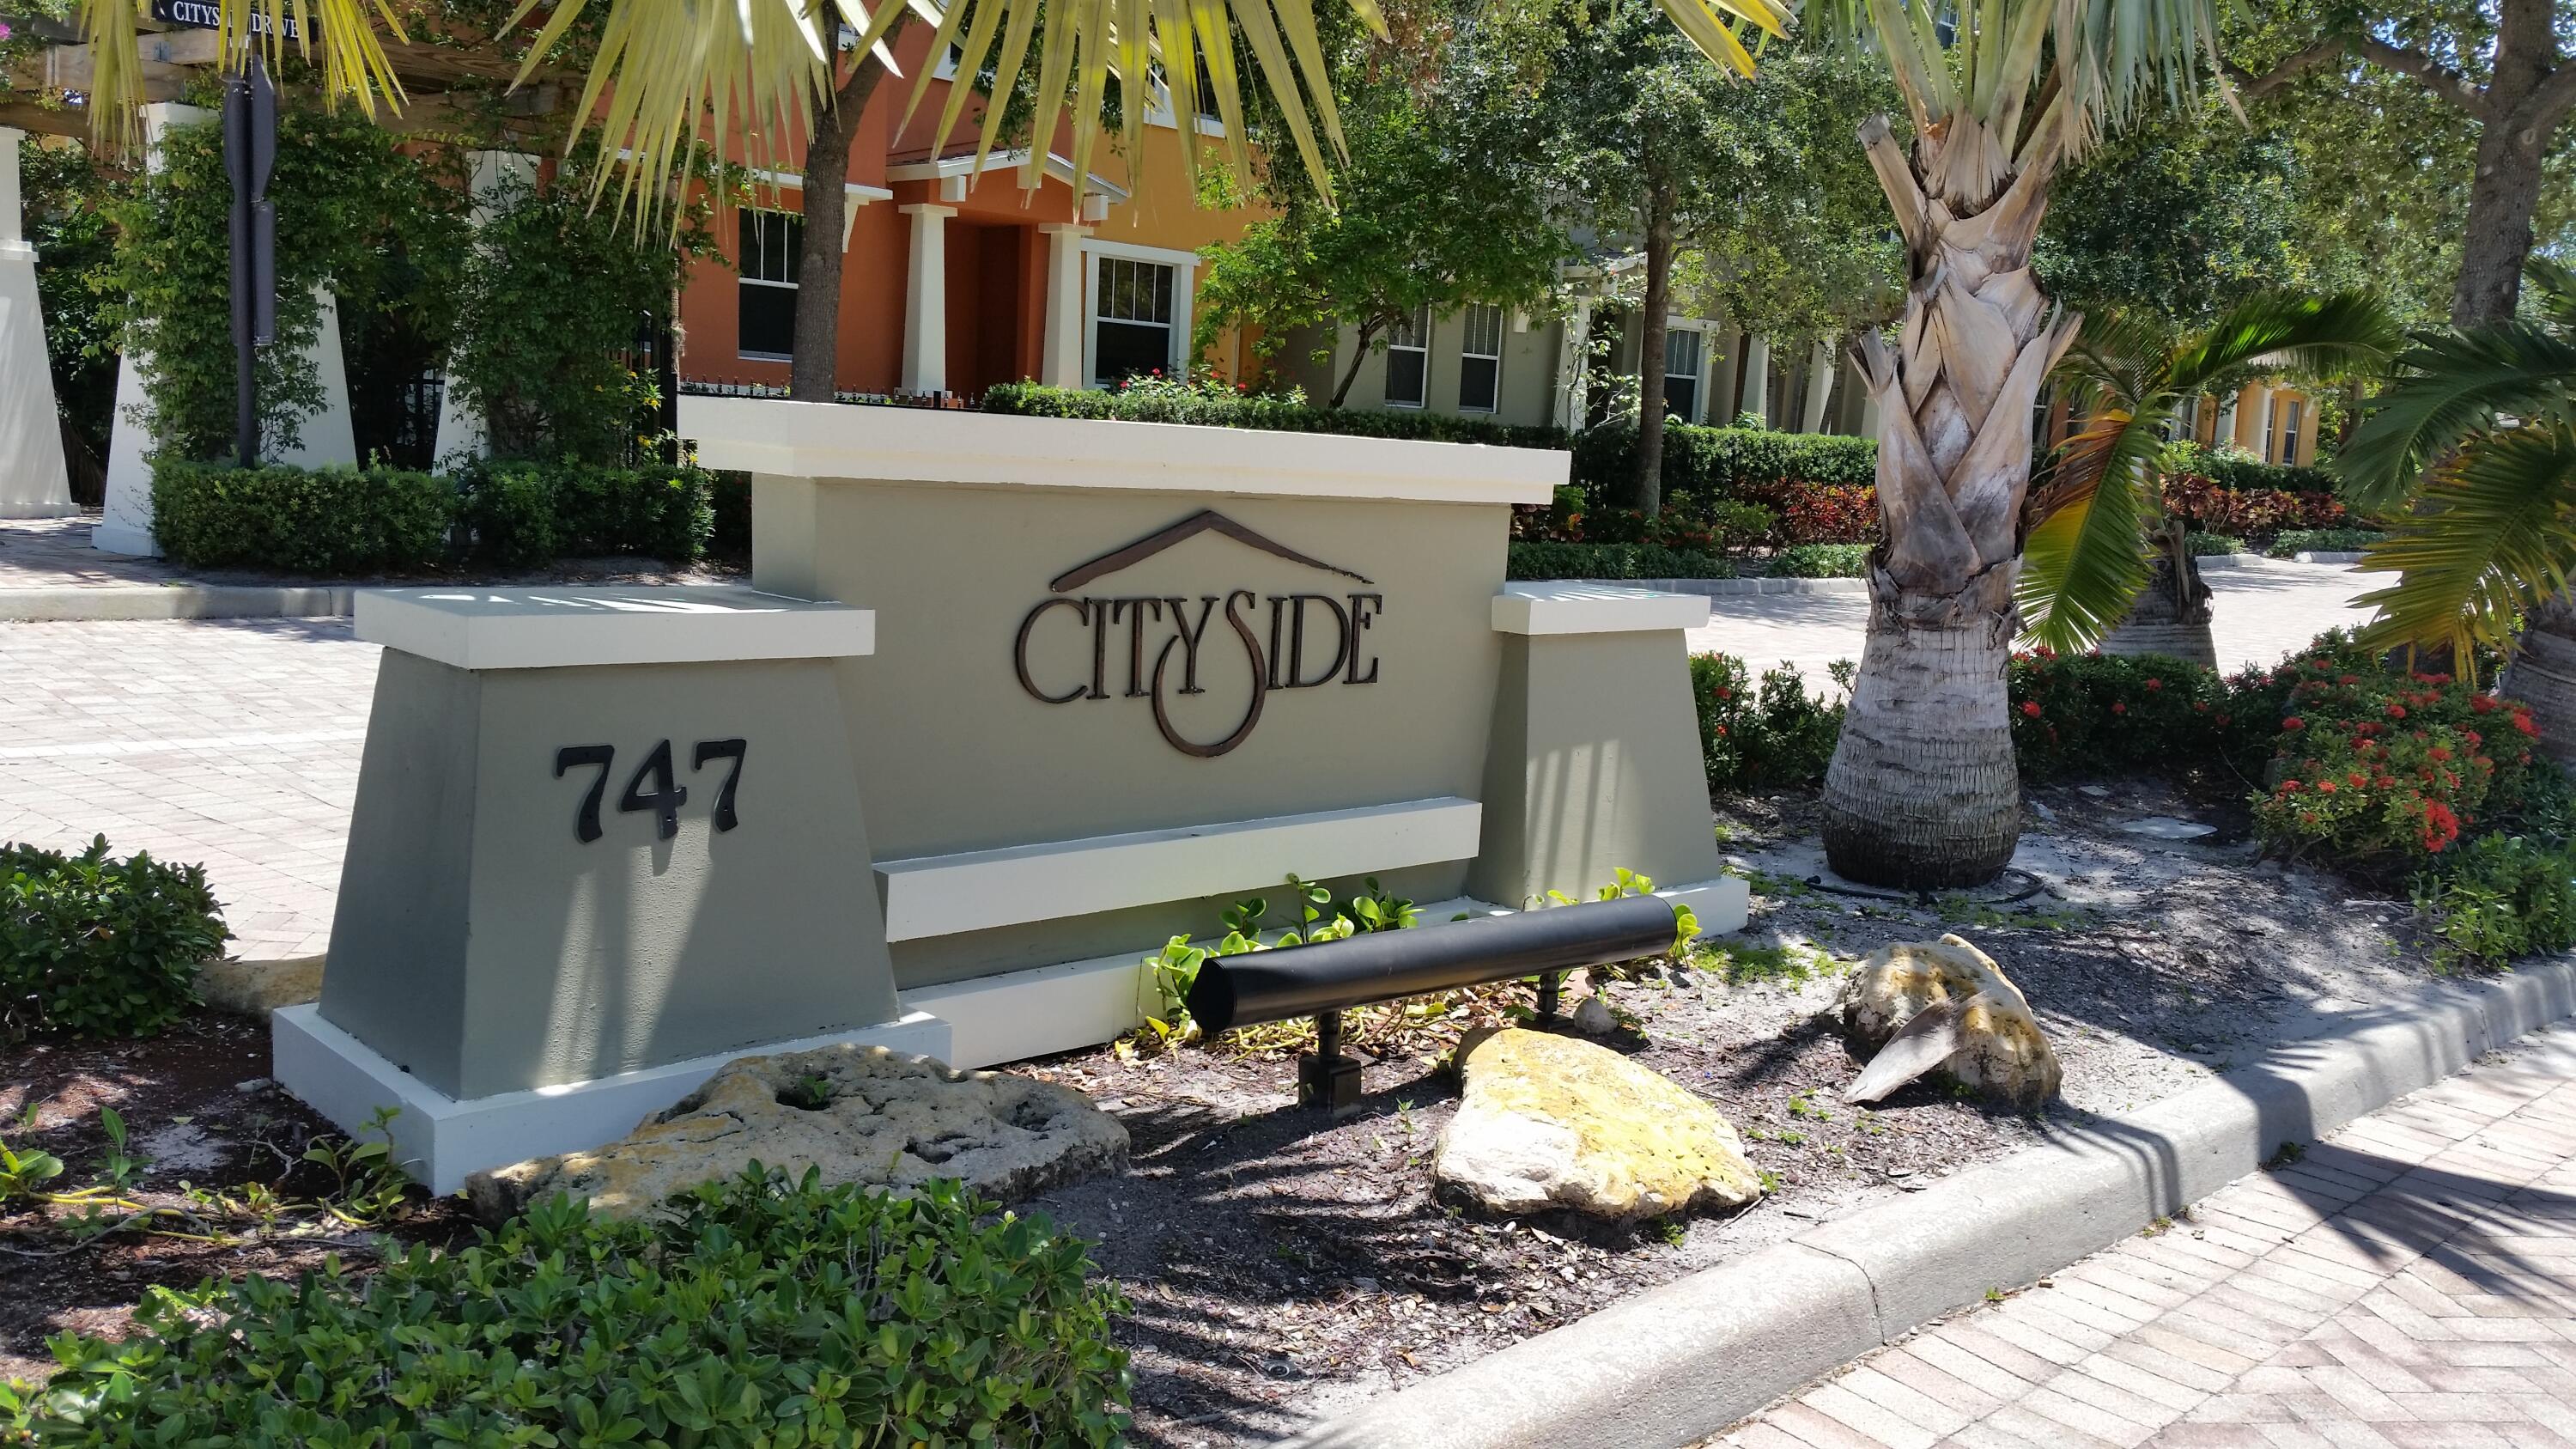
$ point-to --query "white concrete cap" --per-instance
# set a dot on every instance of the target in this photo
(1581, 608)
(932, 445)
(540, 627)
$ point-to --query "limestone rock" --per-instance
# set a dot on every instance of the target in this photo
(861, 1114)
(2002, 1052)
(256, 988)
(1557, 1122)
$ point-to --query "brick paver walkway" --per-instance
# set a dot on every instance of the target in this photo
(2410, 1282)
(54, 553)
(234, 743)
(2263, 611)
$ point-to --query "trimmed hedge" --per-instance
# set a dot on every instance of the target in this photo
(1723, 462)
(324, 521)
(2214, 545)
(760, 1312)
(1822, 561)
(2290, 542)
(1211, 407)
(349, 522)
(100, 946)
(1542, 560)
(520, 515)
(2238, 469)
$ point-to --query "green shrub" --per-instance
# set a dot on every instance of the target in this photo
(1753, 738)
(1543, 560)
(1721, 462)
(2503, 896)
(2233, 467)
(2211, 545)
(524, 514)
(1210, 404)
(1822, 561)
(315, 521)
(98, 946)
(731, 496)
(761, 1313)
(2291, 542)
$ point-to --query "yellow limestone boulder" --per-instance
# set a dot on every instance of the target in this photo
(1557, 1122)
(861, 1114)
(2000, 1050)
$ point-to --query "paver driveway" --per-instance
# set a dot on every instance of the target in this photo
(236, 743)
(2410, 1282)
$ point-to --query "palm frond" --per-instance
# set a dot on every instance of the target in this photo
(2321, 339)
(2085, 557)
(2553, 292)
(2451, 385)
(2494, 533)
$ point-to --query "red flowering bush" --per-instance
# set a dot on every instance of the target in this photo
(2097, 714)
(1755, 736)
(1821, 513)
(2249, 512)
(2383, 770)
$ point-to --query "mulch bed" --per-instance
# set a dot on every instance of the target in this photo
(1282, 1266)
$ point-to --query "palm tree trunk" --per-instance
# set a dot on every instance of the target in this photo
(2172, 614)
(1650, 349)
(2543, 674)
(1923, 792)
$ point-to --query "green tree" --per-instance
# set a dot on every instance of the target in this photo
(2097, 550)
(2475, 441)
(352, 203)
(2493, 81)
(69, 204)
(1440, 202)
(540, 359)
(2187, 216)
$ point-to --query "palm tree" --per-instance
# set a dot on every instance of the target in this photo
(2472, 449)
(1923, 791)
(2089, 574)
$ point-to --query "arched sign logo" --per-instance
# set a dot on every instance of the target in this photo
(1299, 640)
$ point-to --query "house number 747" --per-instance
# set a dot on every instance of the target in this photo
(653, 787)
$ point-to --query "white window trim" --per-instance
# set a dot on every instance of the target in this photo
(740, 281)
(1699, 394)
(1386, 370)
(1496, 356)
(1184, 267)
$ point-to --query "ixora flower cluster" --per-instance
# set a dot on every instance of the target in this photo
(2374, 765)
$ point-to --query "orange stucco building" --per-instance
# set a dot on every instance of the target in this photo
(956, 279)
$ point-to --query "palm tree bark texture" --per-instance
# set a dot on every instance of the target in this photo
(1923, 792)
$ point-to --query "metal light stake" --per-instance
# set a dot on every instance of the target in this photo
(250, 155)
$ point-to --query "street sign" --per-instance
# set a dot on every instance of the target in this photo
(207, 15)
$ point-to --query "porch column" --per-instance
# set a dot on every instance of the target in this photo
(925, 301)
(2263, 426)
(461, 430)
(1060, 365)
(2223, 433)
(1571, 356)
(1820, 385)
(127, 527)
(326, 438)
(33, 481)
(1754, 396)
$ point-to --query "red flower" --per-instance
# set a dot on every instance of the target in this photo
(2357, 779)
(2117, 707)
(2483, 704)
(2325, 787)
(2294, 723)
(2289, 787)
(2030, 707)
(2439, 752)
(2522, 722)
(1725, 693)
(2397, 711)
(2155, 684)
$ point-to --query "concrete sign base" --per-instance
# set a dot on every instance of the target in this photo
(1083, 685)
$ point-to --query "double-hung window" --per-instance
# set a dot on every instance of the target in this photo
(1683, 355)
(1480, 361)
(771, 244)
(1131, 319)
(2290, 420)
(1408, 361)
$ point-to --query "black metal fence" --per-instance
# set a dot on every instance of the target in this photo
(653, 357)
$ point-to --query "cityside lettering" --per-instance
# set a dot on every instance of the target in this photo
(205, 15)
(1099, 648)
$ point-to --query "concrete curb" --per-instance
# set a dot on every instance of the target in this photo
(172, 601)
(1729, 588)
(1684, 1361)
